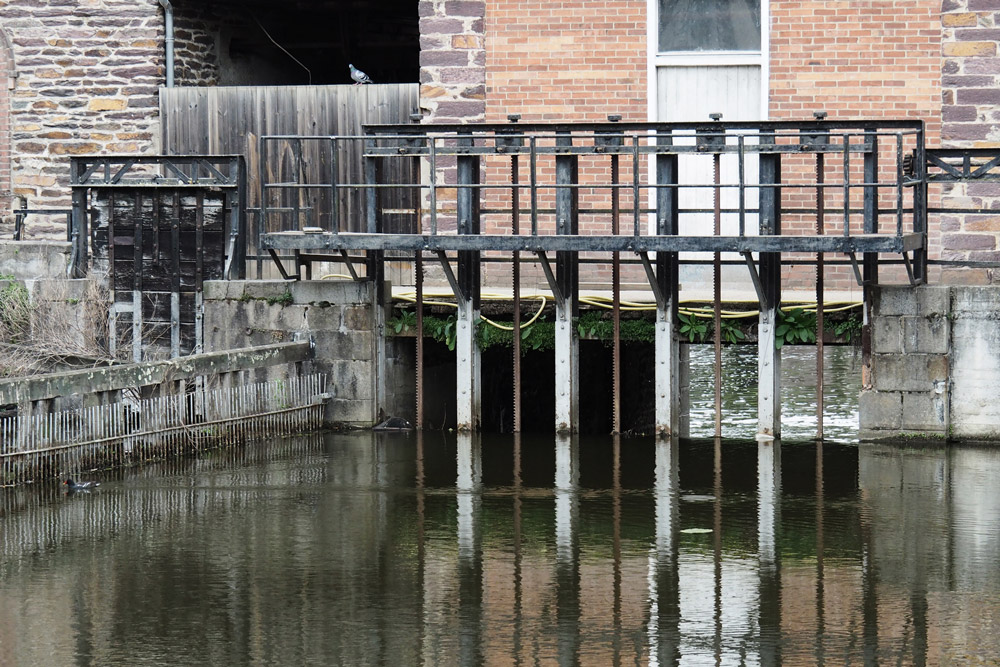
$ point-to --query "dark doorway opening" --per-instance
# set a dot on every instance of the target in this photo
(303, 42)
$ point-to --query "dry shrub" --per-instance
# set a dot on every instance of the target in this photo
(54, 327)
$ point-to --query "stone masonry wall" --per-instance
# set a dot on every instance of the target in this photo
(452, 60)
(935, 368)
(971, 114)
(85, 81)
(338, 316)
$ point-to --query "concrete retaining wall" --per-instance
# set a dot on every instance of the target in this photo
(935, 365)
(339, 317)
(29, 260)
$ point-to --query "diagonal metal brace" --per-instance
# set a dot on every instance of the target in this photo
(857, 269)
(349, 263)
(462, 297)
(550, 276)
(654, 284)
(909, 269)
(277, 262)
(757, 284)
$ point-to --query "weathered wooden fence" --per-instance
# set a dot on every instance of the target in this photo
(230, 120)
(191, 403)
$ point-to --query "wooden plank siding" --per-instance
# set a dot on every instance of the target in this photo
(231, 120)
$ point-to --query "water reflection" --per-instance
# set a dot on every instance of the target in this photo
(842, 370)
(436, 550)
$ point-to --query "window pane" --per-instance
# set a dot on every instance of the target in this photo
(709, 25)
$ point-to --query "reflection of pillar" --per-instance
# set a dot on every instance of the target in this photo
(616, 549)
(421, 553)
(518, 617)
(768, 511)
(664, 582)
(820, 585)
(470, 561)
(567, 549)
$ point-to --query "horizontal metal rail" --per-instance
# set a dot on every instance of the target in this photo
(554, 242)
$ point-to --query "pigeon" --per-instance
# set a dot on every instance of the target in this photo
(81, 486)
(358, 76)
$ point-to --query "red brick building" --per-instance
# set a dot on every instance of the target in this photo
(83, 77)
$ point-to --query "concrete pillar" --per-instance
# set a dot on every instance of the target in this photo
(469, 386)
(769, 357)
(567, 343)
(467, 360)
(567, 358)
(667, 344)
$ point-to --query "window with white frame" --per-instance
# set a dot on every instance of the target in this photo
(709, 25)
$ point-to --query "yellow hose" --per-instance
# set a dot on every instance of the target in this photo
(807, 305)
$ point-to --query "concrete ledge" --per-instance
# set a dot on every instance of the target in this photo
(27, 260)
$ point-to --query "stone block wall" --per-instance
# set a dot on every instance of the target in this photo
(453, 60)
(339, 317)
(971, 115)
(85, 79)
(935, 364)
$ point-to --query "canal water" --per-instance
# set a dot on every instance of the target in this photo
(438, 549)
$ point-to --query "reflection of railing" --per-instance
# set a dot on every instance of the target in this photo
(126, 414)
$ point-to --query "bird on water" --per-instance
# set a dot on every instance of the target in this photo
(358, 76)
(80, 486)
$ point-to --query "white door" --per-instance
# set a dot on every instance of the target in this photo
(709, 58)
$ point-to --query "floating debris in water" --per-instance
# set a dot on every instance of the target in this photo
(696, 531)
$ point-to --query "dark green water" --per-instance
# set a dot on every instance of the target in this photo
(357, 549)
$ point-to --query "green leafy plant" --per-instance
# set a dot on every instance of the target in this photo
(795, 325)
(693, 327)
(441, 330)
(731, 331)
(284, 299)
(849, 329)
(406, 320)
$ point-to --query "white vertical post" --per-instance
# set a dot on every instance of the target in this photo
(467, 360)
(567, 358)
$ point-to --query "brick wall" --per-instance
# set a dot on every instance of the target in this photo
(87, 74)
(566, 60)
(971, 118)
(871, 59)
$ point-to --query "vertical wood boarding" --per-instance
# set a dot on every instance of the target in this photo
(230, 120)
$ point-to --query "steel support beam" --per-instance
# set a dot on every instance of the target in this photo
(467, 358)
(769, 273)
(666, 340)
(567, 342)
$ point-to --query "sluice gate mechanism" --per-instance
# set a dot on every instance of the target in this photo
(642, 206)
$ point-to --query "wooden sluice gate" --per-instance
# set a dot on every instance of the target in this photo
(562, 203)
(124, 415)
